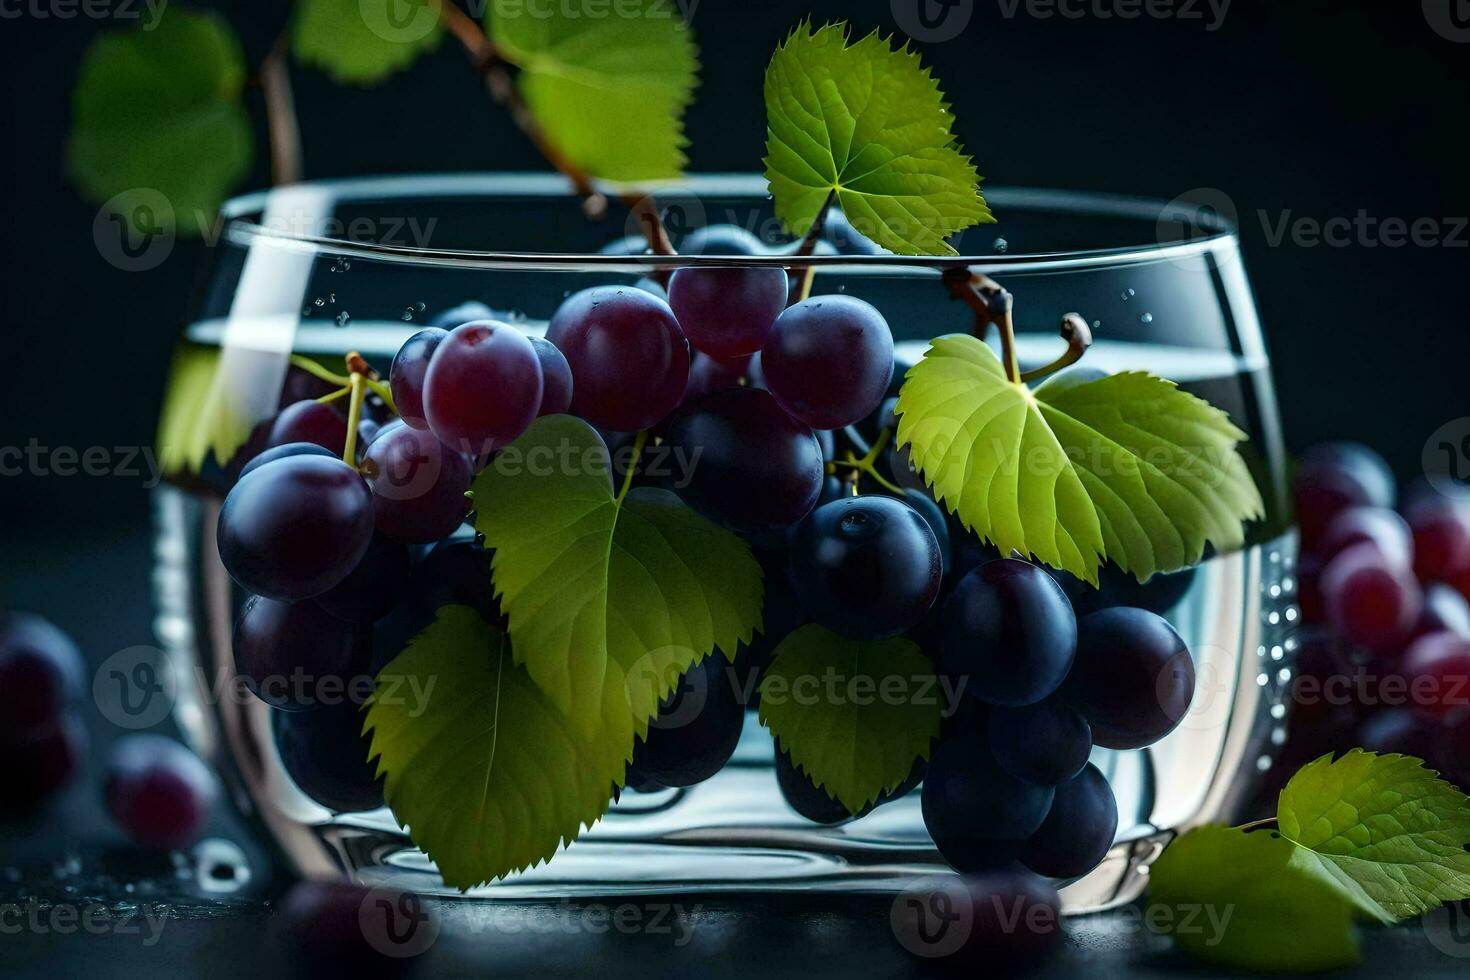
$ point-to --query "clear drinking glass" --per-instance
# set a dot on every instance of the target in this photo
(326, 268)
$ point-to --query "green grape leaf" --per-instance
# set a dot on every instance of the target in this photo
(853, 714)
(199, 415)
(1384, 827)
(607, 592)
(868, 123)
(161, 110)
(1238, 900)
(610, 91)
(1127, 467)
(362, 42)
(488, 775)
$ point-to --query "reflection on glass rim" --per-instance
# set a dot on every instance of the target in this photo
(1206, 232)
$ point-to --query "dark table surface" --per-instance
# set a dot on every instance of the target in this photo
(96, 585)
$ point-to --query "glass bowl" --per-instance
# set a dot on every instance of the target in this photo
(322, 269)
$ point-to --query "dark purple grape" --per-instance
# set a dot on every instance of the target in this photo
(326, 755)
(282, 452)
(313, 422)
(806, 797)
(374, 587)
(296, 656)
(627, 245)
(556, 378)
(483, 387)
(1399, 730)
(865, 567)
(724, 312)
(933, 515)
(459, 573)
(707, 374)
(1009, 633)
(295, 528)
(1378, 526)
(751, 465)
(336, 928)
(1160, 593)
(846, 238)
(41, 675)
(1046, 743)
(158, 791)
(40, 761)
(721, 240)
(696, 730)
(1078, 832)
(406, 376)
(1370, 599)
(629, 357)
(1355, 460)
(1133, 679)
(1438, 670)
(991, 924)
(1333, 477)
(978, 814)
(828, 360)
(418, 484)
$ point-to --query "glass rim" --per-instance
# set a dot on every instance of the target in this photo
(1215, 233)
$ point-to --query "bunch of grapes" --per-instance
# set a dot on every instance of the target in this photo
(1384, 657)
(779, 413)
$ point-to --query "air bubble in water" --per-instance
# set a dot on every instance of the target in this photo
(1001, 245)
(1146, 318)
(1128, 294)
(407, 315)
(343, 318)
(318, 302)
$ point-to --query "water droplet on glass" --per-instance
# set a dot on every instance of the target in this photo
(407, 315)
(421, 306)
(318, 302)
(1146, 318)
(1001, 245)
(1128, 294)
(332, 298)
(343, 318)
(220, 866)
(1097, 324)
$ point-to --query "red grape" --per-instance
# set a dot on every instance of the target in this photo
(1444, 609)
(41, 674)
(40, 762)
(828, 360)
(1438, 670)
(1368, 599)
(727, 312)
(629, 357)
(1378, 526)
(1441, 532)
(1323, 492)
(556, 378)
(483, 387)
(158, 791)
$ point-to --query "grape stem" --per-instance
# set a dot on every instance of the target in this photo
(337, 395)
(1078, 337)
(274, 77)
(494, 69)
(807, 246)
(992, 303)
(639, 441)
(866, 466)
(1256, 824)
(317, 371)
(358, 387)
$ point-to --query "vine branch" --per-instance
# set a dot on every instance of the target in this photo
(992, 304)
(274, 78)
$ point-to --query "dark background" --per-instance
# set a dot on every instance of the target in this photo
(1306, 107)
